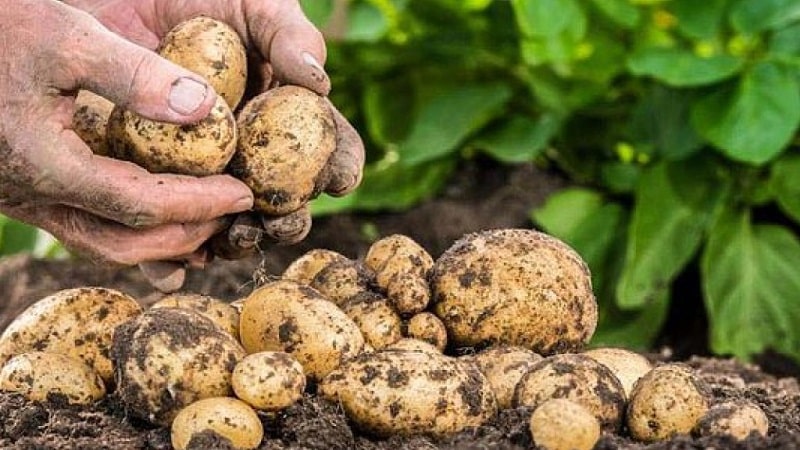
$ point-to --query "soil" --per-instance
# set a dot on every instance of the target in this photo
(482, 197)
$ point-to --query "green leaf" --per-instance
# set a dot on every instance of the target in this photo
(785, 184)
(16, 237)
(751, 281)
(318, 11)
(661, 120)
(682, 68)
(620, 177)
(754, 120)
(622, 12)
(445, 120)
(786, 41)
(385, 112)
(520, 138)
(548, 18)
(564, 211)
(700, 19)
(631, 329)
(365, 23)
(752, 16)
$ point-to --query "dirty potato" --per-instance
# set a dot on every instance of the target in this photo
(626, 365)
(340, 281)
(228, 417)
(504, 367)
(560, 424)
(41, 376)
(427, 327)
(269, 381)
(90, 120)
(219, 312)
(379, 323)
(737, 418)
(308, 265)
(401, 267)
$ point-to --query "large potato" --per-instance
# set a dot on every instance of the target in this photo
(410, 392)
(286, 136)
(74, 322)
(516, 287)
(293, 318)
(41, 376)
(168, 358)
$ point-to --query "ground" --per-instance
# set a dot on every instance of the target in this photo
(501, 199)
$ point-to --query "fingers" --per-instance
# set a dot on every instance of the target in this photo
(345, 166)
(166, 276)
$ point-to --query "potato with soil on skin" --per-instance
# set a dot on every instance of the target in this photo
(577, 378)
(626, 365)
(415, 345)
(401, 267)
(219, 312)
(168, 358)
(379, 323)
(504, 367)
(41, 376)
(90, 121)
(228, 417)
(560, 424)
(286, 136)
(669, 400)
(76, 322)
(308, 265)
(516, 287)
(290, 317)
(269, 381)
(340, 281)
(427, 327)
(738, 418)
(410, 392)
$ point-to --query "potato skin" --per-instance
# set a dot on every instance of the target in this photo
(286, 136)
(269, 381)
(76, 322)
(626, 365)
(734, 418)
(427, 327)
(340, 281)
(90, 120)
(222, 314)
(379, 323)
(409, 392)
(401, 267)
(560, 424)
(308, 265)
(504, 367)
(40, 375)
(228, 417)
(515, 287)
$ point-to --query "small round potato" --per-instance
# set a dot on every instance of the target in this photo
(378, 322)
(560, 424)
(287, 316)
(669, 400)
(269, 381)
(75, 322)
(286, 136)
(228, 417)
(427, 327)
(168, 358)
(402, 268)
(90, 120)
(219, 312)
(340, 281)
(307, 266)
(504, 366)
(577, 378)
(516, 287)
(41, 376)
(734, 418)
(626, 365)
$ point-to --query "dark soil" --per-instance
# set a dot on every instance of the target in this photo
(482, 198)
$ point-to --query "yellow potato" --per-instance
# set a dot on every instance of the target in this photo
(401, 266)
(340, 281)
(219, 312)
(41, 376)
(626, 365)
(90, 120)
(414, 345)
(504, 367)
(560, 424)
(379, 323)
(228, 417)
(739, 419)
(427, 327)
(307, 266)
(269, 381)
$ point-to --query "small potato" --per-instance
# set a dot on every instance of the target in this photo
(739, 419)
(340, 281)
(90, 120)
(504, 366)
(669, 400)
(516, 287)
(378, 322)
(427, 327)
(408, 392)
(269, 381)
(219, 312)
(228, 417)
(290, 317)
(307, 266)
(286, 136)
(560, 424)
(41, 376)
(75, 322)
(626, 365)
(577, 378)
(168, 358)
(401, 266)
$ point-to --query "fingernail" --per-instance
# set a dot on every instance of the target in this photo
(187, 95)
(243, 204)
(317, 71)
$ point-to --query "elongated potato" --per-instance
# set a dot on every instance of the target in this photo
(402, 268)
(379, 323)
(41, 376)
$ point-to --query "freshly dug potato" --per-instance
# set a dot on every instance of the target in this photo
(626, 365)
(228, 417)
(168, 358)
(401, 267)
(307, 266)
(734, 418)
(560, 424)
(290, 317)
(340, 281)
(516, 287)
(577, 378)
(41, 376)
(286, 136)
(504, 367)
(669, 400)
(427, 327)
(379, 323)
(219, 312)
(75, 322)
(269, 381)
(414, 345)
(410, 392)
(90, 120)
(211, 49)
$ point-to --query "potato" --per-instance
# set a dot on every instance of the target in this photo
(211, 49)
(408, 392)
(168, 358)
(515, 287)
(340, 281)
(504, 366)
(228, 417)
(269, 381)
(222, 314)
(290, 317)
(577, 378)
(41, 376)
(626, 365)
(90, 120)
(669, 400)
(75, 322)
(379, 323)
(738, 418)
(401, 266)
(427, 327)
(307, 266)
(414, 345)
(286, 136)
(560, 424)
